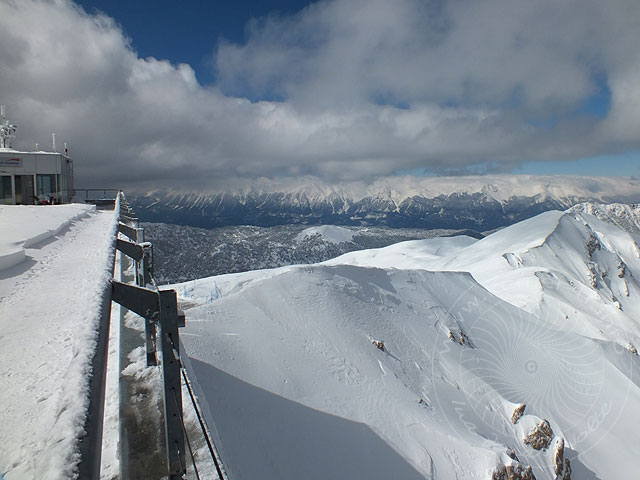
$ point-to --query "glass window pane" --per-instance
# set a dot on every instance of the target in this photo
(5, 188)
(45, 184)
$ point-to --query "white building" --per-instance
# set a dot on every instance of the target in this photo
(28, 178)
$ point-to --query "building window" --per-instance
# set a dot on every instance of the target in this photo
(45, 185)
(5, 189)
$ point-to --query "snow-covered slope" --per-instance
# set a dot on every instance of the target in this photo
(413, 361)
(625, 216)
(327, 233)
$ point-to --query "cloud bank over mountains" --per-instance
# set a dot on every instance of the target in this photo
(342, 90)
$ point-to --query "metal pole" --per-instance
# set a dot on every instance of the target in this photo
(149, 326)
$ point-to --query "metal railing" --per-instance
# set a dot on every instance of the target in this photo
(89, 445)
(100, 197)
(89, 194)
(159, 308)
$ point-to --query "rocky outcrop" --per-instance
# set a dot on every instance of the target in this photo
(539, 438)
(513, 472)
(562, 465)
(460, 337)
(622, 269)
(593, 275)
(592, 245)
(517, 413)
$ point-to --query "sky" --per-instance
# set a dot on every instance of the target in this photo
(217, 93)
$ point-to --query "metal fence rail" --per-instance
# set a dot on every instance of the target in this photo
(159, 308)
(90, 443)
(89, 194)
(101, 197)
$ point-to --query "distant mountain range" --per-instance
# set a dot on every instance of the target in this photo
(480, 203)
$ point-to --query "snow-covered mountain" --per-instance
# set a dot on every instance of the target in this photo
(514, 356)
(625, 216)
(480, 202)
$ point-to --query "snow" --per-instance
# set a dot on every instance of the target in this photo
(293, 386)
(286, 368)
(49, 309)
(625, 216)
(328, 233)
(25, 225)
(110, 463)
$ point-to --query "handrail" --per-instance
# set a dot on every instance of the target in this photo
(159, 308)
(85, 193)
(90, 444)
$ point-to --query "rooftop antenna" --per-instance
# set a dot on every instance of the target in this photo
(53, 136)
(7, 130)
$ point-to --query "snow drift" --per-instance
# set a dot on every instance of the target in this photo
(26, 225)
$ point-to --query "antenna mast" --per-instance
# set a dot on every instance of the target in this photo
(7, 130)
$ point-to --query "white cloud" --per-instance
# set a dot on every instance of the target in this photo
(466, 73)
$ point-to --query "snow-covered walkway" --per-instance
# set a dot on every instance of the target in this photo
(49, 306)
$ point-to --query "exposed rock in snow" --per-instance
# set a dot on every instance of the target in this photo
(562, 465)
(460, 337)
(540, 437)
(510, 472)
(517, 413)
(592, 245)
(622, 267)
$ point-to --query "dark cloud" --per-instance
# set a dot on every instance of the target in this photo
(366, 87)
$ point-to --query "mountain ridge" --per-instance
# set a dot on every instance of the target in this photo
(434, 345)
(480, 203)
